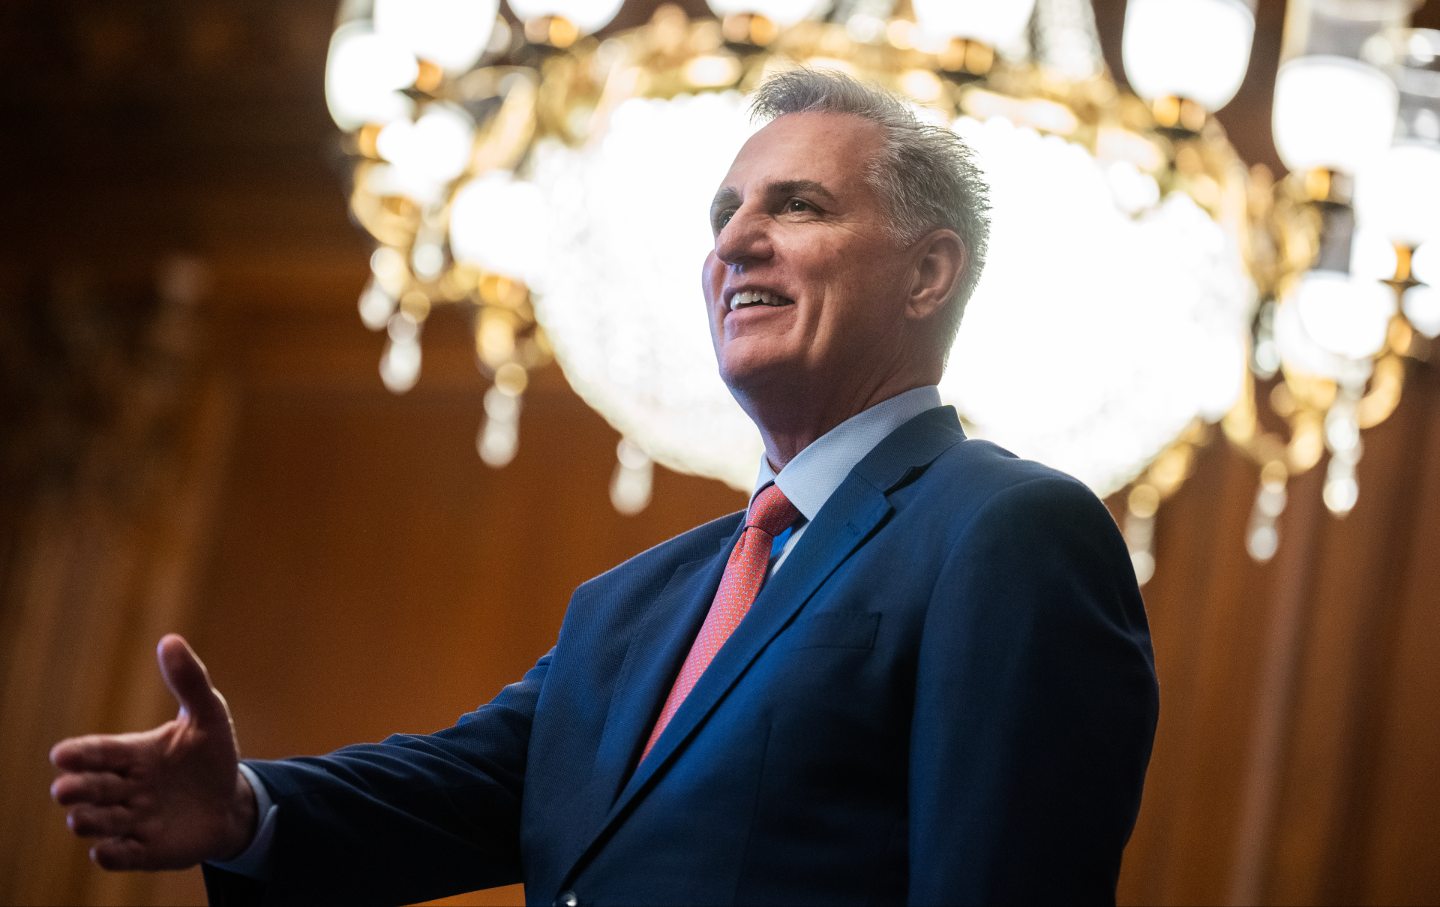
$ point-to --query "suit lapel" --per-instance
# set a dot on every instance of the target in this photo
(659, 644)
(853, 512)
(651, 663)
(910, 448)
(835, 533)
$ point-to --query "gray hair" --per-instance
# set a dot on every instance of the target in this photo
(925, 174)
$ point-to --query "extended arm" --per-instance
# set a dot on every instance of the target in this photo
(410, 818)
(1035, 707)
(407, 819)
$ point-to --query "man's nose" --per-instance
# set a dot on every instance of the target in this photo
(744, 240)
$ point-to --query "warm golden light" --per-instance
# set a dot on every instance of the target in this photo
(554, 185)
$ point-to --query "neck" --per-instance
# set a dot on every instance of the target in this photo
(791, 422)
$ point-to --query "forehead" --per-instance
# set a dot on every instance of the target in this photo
(833, 149)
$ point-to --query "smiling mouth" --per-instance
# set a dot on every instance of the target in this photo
(749, 298)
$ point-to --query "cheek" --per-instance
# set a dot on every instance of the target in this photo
(862, 307)
(710, 277)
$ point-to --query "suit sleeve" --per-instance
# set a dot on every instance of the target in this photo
(411, 818)
(1035, 707)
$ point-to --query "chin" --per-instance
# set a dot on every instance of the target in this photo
(749, 373)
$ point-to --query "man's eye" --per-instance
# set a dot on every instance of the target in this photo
(721, 219)
(798, 206)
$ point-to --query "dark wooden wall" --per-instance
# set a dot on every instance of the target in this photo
(195, 438)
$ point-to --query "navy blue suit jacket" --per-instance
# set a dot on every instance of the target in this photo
(946, 696)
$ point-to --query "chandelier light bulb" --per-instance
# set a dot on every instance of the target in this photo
(400, 365)
(1341, 490)
(586, 15)
(497, 223)
(364, 74)
(1195, 49)
(449, 33)
(633, 479)
(1372, 256)
(1297, 350)
(1333, 113)
(1425, 263)
(1334, 105)
(1344, 315)
(1399, 195)
(999, 24)
(435, 148)
(376, 306)
(783, 13)
(1421, 305)
(1221, 380)
(499, 436)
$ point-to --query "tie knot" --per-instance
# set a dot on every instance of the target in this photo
(771, 512)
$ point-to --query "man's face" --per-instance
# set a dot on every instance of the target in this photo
(805, 288)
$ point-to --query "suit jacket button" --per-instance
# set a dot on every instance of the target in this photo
(567, 899)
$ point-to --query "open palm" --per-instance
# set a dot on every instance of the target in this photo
(166, 798)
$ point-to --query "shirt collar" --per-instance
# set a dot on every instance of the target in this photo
(815, 473)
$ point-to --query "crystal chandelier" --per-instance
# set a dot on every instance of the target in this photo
(1142, 284)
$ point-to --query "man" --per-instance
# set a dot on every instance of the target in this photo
(918, 670)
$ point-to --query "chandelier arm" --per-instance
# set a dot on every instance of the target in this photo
(1383, 395)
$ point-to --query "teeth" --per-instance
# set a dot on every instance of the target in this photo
(756, 297)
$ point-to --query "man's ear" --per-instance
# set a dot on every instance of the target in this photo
(940, 261)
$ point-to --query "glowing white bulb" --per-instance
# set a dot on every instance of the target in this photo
(1342, 429)
(400, 365)
(499, 437)
(1263, 538)
(497, 223)
(450, 33)
(999, 23)
(781, 12)
(1372, 256)
(1399, 193)
(434, 148)
(1262, 543)
(364, 73)
(1332, 112)
(633, 480)
(1421, 305)
(1342, 490)
(376, 306)
(1196, 49)
(1425, 263)
(1221, 377)
(1344, 315)
(586, 15)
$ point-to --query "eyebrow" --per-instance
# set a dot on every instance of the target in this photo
(728, 197)
(800, 187)
(725, 198)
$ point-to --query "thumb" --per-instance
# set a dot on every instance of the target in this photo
(188, 680)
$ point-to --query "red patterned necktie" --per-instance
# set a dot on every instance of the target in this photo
(771, 513)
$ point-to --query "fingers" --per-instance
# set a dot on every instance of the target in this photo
(101, 821)
(188, 680)
(117, 854)
(100, 788)
(116, 753)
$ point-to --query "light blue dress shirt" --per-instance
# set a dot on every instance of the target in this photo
(815, 473)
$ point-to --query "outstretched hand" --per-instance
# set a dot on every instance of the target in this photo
(166, 798)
